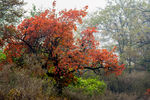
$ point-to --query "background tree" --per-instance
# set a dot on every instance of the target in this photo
(125, 23)
(10, 12)
(49, 38)
(144, 40)
(34, 12)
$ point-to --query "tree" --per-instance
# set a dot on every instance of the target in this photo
(125, 22)
(50, 38)
(34, 12)
(10, 12)
(144, 40)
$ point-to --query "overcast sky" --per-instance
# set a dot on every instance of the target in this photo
(68, 4)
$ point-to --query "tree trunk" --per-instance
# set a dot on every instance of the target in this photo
(59, 89)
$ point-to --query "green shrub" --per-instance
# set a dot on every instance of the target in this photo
(2, 56)
(89, 86)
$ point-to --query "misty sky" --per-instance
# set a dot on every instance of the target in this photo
(68, 4)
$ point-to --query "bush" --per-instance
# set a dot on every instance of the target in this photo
(89, 86)
(118, 96)
(2, 56)
(18, 84)
(135, 82)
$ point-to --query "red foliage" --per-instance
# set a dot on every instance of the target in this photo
(51, 36)
(147, 92)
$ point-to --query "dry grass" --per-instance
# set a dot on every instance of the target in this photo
(136, 82)
(18, 84)
(27, 84)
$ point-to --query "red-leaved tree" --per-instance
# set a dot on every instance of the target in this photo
(50, 36)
